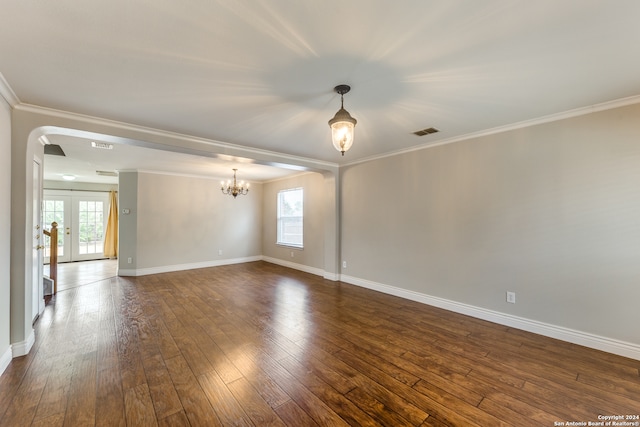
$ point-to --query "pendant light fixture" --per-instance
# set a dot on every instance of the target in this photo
(235, 188)
(342, 124)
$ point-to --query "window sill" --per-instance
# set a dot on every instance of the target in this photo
(289, 245)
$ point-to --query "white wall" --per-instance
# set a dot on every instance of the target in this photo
(311, 257)
(5, 230)
(551, 212)
(184, 222)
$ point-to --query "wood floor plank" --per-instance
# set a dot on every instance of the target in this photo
(179, 419)
(404, 400)
(337, 401)
(462, 409)
(261, 382)
(139, 407)
(56, 393)
(318, 410)
(292, 415)
(314, 364)
(515, 411)
(260, 344)
(163, 394)
(56, 420)
(194, 401)
(81, 409)
(382, 414)
(223, 401)
(110, 410)
(258, 410)
(216, 357)
(628, 387)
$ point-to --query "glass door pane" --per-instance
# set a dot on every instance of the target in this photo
(89, 223)
(57, 208)
(91, 232)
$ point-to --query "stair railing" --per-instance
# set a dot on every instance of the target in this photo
(53, 254)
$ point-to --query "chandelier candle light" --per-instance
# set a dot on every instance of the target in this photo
(235, 188)
(342, 124)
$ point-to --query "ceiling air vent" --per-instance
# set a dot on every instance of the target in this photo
(102, 145)
(54, 150)
(427, 131)
(106, 173)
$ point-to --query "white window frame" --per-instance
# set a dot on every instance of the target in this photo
(283, 219)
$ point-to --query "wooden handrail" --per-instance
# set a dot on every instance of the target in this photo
(53, 255)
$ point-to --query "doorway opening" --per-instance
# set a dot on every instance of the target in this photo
(82, 220)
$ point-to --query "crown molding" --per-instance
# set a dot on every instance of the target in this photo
(283, 178)
(250, 152)
(7, 93)
(187, 175)
(609, 105)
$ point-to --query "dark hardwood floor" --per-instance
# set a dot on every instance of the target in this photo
(258, 344)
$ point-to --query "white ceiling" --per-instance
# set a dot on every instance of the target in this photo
(261, 73)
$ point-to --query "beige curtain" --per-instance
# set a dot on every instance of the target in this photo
(111, 235)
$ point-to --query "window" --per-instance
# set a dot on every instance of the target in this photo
(53, 211)
(91, 227)
(290, 214)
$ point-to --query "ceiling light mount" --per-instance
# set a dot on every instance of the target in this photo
(342, 124)
(342, 89)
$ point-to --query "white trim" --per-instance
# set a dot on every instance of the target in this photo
(183, 175)
(250, 151)
(206, 264)
(292, 176)
(24, 347)
(182, 267)
(609, 345)
(513, 126)
(295, 266)
(5, 359)
(44, 140)
(7, 93)
(334, 277)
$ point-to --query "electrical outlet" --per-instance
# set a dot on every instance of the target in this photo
(511, 297)
(344, 264)
(219, 251)
(129, 260)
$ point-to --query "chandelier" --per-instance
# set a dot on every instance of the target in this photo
(234, 189)
(342, 124)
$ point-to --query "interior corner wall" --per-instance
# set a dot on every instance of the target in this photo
(186, 222)
(550, 212)
(5, 231)
(311, 257)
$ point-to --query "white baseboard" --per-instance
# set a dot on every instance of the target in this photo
(217, 263)
(181, 267)
(597, 342)
(5, 359)
(295, 266)
(332, 276)
(22, 348)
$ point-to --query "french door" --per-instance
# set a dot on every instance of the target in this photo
(81, 218)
